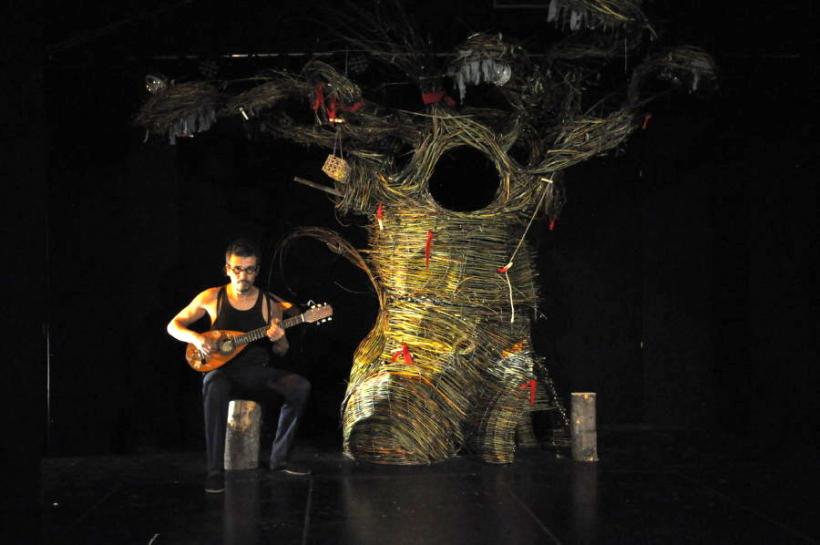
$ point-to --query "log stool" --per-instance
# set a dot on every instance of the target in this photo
(242, 435)
(583, 427)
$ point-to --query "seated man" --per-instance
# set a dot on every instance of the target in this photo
(241, 306)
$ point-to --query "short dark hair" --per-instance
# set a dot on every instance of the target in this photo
(243, 248)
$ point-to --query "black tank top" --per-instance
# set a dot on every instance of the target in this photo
(227, 317)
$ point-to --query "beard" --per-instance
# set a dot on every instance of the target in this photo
(243, 286)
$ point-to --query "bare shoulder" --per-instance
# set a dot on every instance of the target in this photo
(283, 304)
(207, 299)
(205, 302)
(208, 296)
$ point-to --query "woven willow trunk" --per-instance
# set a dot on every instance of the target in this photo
(444, 366)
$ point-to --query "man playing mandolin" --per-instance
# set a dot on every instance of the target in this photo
(241, 306)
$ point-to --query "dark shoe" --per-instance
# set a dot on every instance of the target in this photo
(292, 469)
(215, 482)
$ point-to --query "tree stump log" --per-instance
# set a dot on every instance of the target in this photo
(583, 427)
(242, 435)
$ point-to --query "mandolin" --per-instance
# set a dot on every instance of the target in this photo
(230, 343)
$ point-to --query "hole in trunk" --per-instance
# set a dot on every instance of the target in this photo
(464, 180)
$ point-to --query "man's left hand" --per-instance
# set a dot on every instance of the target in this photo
(275, 331)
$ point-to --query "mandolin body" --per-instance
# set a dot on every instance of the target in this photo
(225, 349)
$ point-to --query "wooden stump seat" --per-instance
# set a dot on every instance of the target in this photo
(242, 435)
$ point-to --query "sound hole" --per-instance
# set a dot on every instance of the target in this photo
(226, 346)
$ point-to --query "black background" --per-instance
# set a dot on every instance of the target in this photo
(679, 282)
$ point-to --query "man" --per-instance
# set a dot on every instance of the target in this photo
(241, 306)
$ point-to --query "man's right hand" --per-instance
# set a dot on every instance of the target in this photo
(204, 345)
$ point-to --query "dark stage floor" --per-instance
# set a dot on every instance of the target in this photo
(649, 487)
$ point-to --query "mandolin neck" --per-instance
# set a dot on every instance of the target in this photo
(256, 334)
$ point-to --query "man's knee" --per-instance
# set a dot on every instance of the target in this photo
(215, 386)
(298, 389)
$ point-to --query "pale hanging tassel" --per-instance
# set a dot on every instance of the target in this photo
(512, 303)
(478, 71)
(506, 268)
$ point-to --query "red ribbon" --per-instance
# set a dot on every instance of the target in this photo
(437, 96)
(318, 96)
(331, 108)
(333, 105)
(553, 221)
(405, 353)
(532, 386)
(428, 249)
(380, 216)
(355, 107)
(647, 117)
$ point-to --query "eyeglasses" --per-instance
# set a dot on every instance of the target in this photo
(237, 270)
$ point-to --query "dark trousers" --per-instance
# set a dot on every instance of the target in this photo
(222, 385)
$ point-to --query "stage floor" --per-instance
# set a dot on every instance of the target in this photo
(650, 487)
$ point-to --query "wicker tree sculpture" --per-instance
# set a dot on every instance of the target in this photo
(449, 363)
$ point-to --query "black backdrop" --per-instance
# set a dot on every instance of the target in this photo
(678, 283)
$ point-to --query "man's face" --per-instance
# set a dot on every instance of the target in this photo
(242, 271)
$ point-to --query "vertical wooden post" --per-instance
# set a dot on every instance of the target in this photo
(242, 435)
(583, 427)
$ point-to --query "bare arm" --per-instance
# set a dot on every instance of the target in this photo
(194, 311)
(281, 346)
(275, 333)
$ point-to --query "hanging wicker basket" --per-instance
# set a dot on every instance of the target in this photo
(337, 168)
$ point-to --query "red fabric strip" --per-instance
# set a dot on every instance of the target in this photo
(408, 357)
(404, 353)
(432, 97)
(428, 249)
(355, 107)
(531, 384)
(437, 96)
(331, 108)
(318, 96)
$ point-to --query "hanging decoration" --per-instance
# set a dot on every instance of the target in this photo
(482, 59)
(335, 166)
(181, 110)
(602, 15)
(155, 84)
